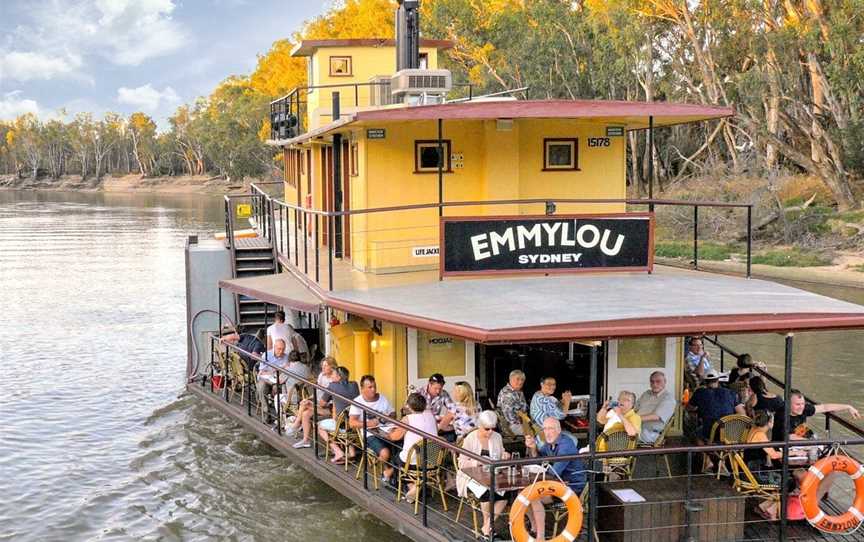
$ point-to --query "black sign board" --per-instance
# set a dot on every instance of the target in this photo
(614, 131)
(547, 244)
(376, 133)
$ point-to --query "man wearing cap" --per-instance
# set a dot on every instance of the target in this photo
(439, 403)
(711, 403)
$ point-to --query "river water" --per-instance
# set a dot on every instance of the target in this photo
(97, 439)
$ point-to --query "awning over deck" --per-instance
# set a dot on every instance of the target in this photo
(281, 289)
(561, 308)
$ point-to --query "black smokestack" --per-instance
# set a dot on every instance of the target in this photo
(408, 35)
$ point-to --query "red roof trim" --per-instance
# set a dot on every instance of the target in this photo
(307, 47)
(547, 109)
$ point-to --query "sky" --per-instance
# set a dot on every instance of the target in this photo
(132, 55)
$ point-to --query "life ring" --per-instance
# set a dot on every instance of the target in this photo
(852, 518)
(537, 491)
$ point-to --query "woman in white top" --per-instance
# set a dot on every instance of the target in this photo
(421, 419)
(483, 441)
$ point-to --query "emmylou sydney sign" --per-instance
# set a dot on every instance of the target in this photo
(544, 244)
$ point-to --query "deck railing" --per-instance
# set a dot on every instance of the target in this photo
(293, 228)
(435, 517)
(289, 114)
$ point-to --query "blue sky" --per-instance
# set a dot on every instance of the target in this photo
(132, 55)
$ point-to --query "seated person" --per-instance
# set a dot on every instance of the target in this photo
(440, 404)
(572, 472)
(759, 460)
(277, 358)
(304, 409)
(655, 408)
(544, 404)
(710, 403)
(620, 415)
(247, 342)
(698, 362)
(486, 442)
(800, 410)
(421, 419)
(339, 385)
(375, 402)
(762, 399)
(298, 343)
(464, 409)
(511, 401)
(745, 369)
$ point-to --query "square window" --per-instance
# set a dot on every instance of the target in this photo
(426, 156)
(340, 66)
(560, 154)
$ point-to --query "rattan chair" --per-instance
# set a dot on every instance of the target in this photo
(414, 473)
(371, 457)
(342, 436)
(661, 440)
(237, 372)
(529, 427)
(731, 429)
(617, 441)
(746, 483)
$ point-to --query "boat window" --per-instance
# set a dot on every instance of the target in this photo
(426, 156)
(340, 66)
(424, 61)
(560, 154)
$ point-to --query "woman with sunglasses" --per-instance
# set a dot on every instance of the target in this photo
(486, 442)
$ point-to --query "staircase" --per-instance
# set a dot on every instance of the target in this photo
(253, 257)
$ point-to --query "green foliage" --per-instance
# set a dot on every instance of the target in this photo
(859, 268)
(791, 258)
(707, 250)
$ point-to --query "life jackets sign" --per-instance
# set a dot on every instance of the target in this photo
(544, 244)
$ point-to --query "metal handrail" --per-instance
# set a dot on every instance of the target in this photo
(538, 460)
(777, 382)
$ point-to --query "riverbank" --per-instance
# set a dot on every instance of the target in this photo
(184, 184)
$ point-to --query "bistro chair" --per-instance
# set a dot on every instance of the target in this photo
(469, 497)
(413, 473)
(220, 367)
(731, 429)
(529, 427)
(342, 436)
(617, 441)
(371, 457)
(559, 511)
(237, 372)
(746, 483)
(510, 439)
(661, 440)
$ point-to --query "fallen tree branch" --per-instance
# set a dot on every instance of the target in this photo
(781, 212)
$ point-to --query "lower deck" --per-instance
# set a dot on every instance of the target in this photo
(440, 525)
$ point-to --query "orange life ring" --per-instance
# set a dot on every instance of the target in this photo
(852, 518)
(546, 489)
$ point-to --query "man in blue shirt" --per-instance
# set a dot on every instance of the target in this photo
(698, 360)
(571, 471)
(544, 404)
(711, 403)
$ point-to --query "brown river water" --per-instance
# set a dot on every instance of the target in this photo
(98, 440)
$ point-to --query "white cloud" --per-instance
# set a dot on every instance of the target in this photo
(12, 105)
(60, 36)
(25, 66)
(146, 97)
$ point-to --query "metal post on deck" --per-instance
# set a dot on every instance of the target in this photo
(424, 484)
(317, 263)
(787, 396)
(440, 168)
(492, 500)
(278, 405)
(651, 163)
(305, 249)
(286, 221)
(247, 374)
(297, 217)
(592, 438)
(330, 252)
(212, 359)
(364, 458)
(337, 183)
(695, 237)
(315, 421)
(749, 237)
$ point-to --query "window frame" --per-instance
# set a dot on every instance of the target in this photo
(574, 141)
(418, 143)
(423, 57)
(341, 57)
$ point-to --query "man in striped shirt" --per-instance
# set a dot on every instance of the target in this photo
(545, 405)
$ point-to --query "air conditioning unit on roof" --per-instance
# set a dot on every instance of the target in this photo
(421, 86)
